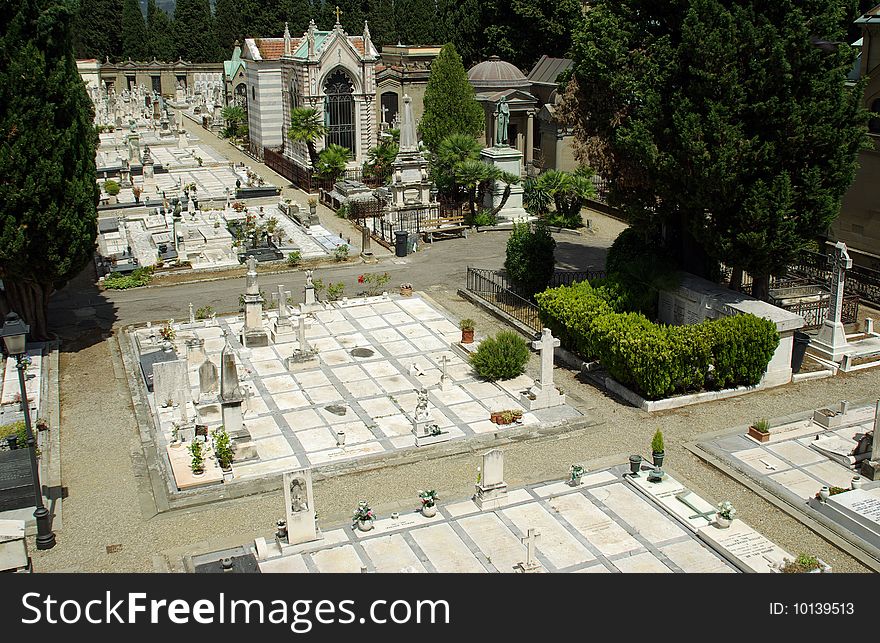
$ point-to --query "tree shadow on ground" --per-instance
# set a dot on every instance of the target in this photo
(80, 314)
(577, 256)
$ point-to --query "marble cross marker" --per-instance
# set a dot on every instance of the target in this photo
(545, 345)
(530, 541)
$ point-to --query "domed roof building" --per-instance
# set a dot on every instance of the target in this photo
(493, 80)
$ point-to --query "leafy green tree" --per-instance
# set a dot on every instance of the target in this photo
(735, 156)
(307, 126)
(160, 33)
(49, 192)
(98, 29)
(194, 35)
(332, 161)
(450, 106)
(135, 44)
(529, 260)
(415, 21)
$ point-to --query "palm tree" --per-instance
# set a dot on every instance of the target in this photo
(235, 116)
(381, 158)
(452, 150)
(306, 126)
(332, 161)
(568, 191)
(476, 176)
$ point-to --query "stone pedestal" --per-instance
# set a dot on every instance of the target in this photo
(427, 432)
(831, 342)
(544, 394)
(506, 159)
(491, 497)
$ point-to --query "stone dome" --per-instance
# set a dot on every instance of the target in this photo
(494, 74)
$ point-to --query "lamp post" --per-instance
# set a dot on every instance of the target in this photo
(14, 334)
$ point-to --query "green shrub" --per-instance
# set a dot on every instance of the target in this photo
(111, 187)
(529, 262)
(294, 258)
(204, 312)
(197, 464)
(657, 442)
(569, 311)
(19, 430)
(643, 269)
(341, 253)
(138, 277)
(223, 448)
(502, 357)
(334, 291)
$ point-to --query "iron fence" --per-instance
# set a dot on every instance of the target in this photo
(815, 312)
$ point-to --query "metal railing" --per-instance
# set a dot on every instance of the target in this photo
(860, 281)
(815, 312)
(499, 292)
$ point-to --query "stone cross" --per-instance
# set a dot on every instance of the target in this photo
(841, 262)
(192, 315)
(301, 334)
(338, 14)
(444, 376)
(282, 302)
(252, 287)
(546, 345)
(875, 448)
(384, 114)
(530, 541)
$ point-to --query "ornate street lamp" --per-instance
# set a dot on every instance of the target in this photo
(14, 334)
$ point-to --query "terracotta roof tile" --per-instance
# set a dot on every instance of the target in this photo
(273, 48)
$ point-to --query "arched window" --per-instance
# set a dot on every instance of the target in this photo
(241, 96)
(389, 107)
(874, 122)
(339, 110)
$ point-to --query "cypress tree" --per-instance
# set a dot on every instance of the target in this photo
(450, 107)
(49, 193)
(381, 18)
(160, 33)
(135, 44)
(416, 21)
(458, 22)
(229, 22)
(97, 29)
(194, 35)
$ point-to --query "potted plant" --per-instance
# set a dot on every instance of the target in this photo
(406, 289)
(657, 452)
(760, 430)
(725, 515)
(576, 472)
(804, 564)
(467, 331)
(42, 424)
(197, 464)
(167, 333)
(223, 449)
(495, 417)
(429, 502)
(363, 516)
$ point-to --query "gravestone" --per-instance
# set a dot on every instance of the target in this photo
(425, 429)
(857, 511)
(871, 467)
(445, 381)
(531, 564)
(195, 352)
(310, 302)
(230, 391)
(253, 334)
(491, 490)
(831, 341)
(299, 504)
(168, 378)
(303, 355)
(283, 329)
(208, 380)
(544, 394)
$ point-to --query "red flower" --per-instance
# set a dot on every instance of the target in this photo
(360, 279)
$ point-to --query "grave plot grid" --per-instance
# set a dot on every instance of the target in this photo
(370, 394)
(601, 526)
(790, 468)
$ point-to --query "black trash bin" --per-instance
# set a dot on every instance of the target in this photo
(401, 238)
(798, 349)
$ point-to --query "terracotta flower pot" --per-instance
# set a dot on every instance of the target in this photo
(406, 292)
(467, 336)
(760, 437)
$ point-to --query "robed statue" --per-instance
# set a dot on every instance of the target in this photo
(503, 117)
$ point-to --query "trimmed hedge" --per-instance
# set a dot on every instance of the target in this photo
(657, 360)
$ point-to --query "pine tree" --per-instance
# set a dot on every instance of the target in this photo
(299, 15)
(194, 35)
(450, 107)
(97, 29)
(135, 44)
(160, 33)
(229, 23)
(735, 157)
(49, 193)
(416, 21)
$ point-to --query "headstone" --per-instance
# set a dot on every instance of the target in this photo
(425, 429)
(195, 352)
(168, 378)
(253, 334)
(309, 299)
(531, 563)
(230, 391)
(492, 490)
(544, 394)
(445, 381)
(303, 353)
(208, 381)
(831, 341)
(299, 504)
(871, 467)
(13, 546)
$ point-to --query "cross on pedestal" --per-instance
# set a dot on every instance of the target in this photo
(545, 345)
(841, 262)
(530, 541)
